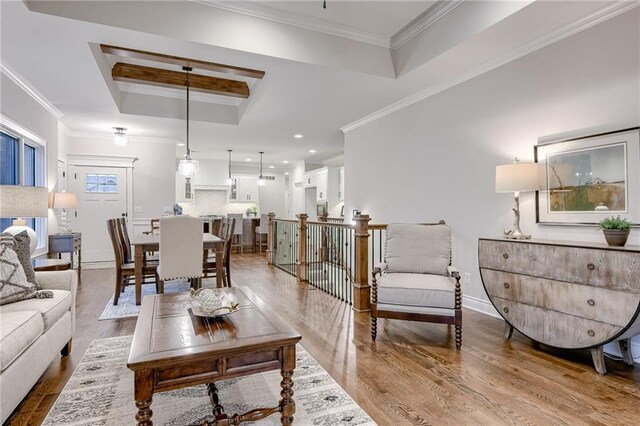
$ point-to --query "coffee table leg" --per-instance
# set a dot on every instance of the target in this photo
(287, 405)
(143, 395)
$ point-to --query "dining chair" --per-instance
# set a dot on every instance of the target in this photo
(237, 233)
(210, 265)
(125, 271)
(261, 232)
(181, 240)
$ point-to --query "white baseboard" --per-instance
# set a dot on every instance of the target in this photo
(480, 305)
(485, 307)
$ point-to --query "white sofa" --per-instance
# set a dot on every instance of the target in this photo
(33, 333)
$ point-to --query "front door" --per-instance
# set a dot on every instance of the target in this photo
(102, 195)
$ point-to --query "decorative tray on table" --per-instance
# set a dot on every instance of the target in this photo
(210, 303)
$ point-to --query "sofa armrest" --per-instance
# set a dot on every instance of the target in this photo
(61, 280)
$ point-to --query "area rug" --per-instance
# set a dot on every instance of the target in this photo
(127, 307)
(100, 392)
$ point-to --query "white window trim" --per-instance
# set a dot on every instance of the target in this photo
(26, 137)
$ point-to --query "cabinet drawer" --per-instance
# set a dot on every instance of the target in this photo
(555, 328)
(595, 303)
(604, 268)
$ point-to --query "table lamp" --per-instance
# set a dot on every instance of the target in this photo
(64, 201)
(517, 177)
(19, 202)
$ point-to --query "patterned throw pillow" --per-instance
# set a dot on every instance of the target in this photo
(13, 282)
(22, 247)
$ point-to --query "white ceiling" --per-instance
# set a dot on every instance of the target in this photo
(315, 83)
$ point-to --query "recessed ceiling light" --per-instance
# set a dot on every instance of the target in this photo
(271, 167)
(180, 144)
(313, 151)
(247, 159)
(285, 162)
(298, 136)
(286, 173)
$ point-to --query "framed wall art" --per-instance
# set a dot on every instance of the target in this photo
(588, 178)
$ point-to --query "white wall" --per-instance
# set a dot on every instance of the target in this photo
(21, 108)
(154, 184)
(436, 159)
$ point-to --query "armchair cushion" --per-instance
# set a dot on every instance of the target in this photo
(424, 290)
(418, 249)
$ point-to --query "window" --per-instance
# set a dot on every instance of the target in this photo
(22, 162)
(97, 182)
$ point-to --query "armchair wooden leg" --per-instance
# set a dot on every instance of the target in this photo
(374, 328)
(458, 336)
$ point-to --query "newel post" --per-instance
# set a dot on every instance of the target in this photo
(361, 287)
(324, 244)
(301, 270)
(271, 238)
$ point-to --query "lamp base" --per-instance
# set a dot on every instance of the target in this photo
(516, 235)
(15, 230)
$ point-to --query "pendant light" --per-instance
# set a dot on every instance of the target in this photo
(119, 137)
(261, 181)
(229, 180)
(188, 167)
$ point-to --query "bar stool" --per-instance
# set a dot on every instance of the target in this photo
(261, 232)
(237, 231)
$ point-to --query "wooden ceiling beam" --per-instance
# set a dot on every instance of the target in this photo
(180, 61)
(165, 78)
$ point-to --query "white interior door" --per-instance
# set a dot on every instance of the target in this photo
(102, 195)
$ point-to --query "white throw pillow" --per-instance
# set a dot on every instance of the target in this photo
(418, 249)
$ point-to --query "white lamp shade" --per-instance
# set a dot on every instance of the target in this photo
(65, 200)
(188, 167)
(23, 201)
(518, 177)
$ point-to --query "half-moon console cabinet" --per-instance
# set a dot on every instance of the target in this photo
(565, 294)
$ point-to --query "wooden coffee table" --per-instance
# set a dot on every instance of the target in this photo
(173, 349)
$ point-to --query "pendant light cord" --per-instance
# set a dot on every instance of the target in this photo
(261, 164)
(188, 147)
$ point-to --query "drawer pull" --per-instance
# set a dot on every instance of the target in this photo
(505, 255)
(505, 310)
(591, 266)
(506, 285)
(591, 333)
(591, 302)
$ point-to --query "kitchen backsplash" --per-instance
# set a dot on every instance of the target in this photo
(208, 202)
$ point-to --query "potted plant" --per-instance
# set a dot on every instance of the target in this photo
(616, 230)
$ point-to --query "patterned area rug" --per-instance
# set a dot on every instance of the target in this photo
(100, 392)
(126, 306)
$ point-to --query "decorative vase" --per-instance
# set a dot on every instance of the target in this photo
(616, 237)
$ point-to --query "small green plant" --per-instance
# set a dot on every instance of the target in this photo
(617, 223)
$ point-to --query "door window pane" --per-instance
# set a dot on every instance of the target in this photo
(98, 182)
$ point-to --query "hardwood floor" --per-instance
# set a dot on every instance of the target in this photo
(412, 375)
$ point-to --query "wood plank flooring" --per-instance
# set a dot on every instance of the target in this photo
(412, 375)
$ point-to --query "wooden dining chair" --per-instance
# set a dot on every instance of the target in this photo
(181, 241)
(125, 271)
(210, 266)
(237, 231)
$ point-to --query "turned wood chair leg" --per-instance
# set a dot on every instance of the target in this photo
(458, 336)
(374, 328)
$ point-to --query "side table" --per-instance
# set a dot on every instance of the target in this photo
(66, 243)
(50, 264)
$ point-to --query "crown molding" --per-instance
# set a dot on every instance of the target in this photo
(423, 21)
(601, 15)
(294, 19)
(30, 90)
(108, 136)
(100, 160)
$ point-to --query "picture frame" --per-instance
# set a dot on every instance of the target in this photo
(585, 179)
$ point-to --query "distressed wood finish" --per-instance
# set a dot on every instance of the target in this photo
(180, 61)
(172, 349)
(166, 78)
(409, 376)
(572, 296)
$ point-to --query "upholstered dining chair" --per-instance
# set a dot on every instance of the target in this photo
(416, 282)
(261, 232)
(125, 270)
(180, 250)
(237, 232)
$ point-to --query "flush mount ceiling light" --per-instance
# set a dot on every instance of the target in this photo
(298, 136)
(229, 180)
(313, 151)
(248, 159)
(188, 167)
(285, 162)
(261, 181)
(119, 137)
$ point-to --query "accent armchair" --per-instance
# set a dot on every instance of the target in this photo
(417, 281)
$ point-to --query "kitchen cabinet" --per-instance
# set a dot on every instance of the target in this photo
(341, 184)
(322, 177)
(184, 189)
(310, 179)
(244, 189)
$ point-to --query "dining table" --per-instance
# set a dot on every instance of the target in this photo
(151, 243)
